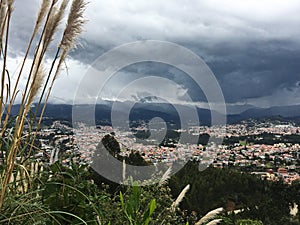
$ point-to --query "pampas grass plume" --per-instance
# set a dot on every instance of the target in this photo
(3, 8)
(210, 215)
(180, 198)
(54, 21)
(124, 170)
(37, 84)
(74, 25)
(166, 176)
(41, 15)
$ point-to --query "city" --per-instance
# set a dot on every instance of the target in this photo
(279, 160)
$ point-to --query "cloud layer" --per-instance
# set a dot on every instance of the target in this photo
(252, 46)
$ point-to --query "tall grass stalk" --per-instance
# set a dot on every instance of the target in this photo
(6, 23)
(48, 20)
(68, 42)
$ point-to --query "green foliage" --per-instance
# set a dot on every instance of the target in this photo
(72, 198)
(69, 190)
(143, 205)
(132, 208)
(67, 195)
(134, 158)
(212, 188)
(249, 222)
(24, 209)
(111, 144)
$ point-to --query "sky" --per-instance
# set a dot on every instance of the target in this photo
(252, 47)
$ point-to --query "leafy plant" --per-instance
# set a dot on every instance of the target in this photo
(133, 210)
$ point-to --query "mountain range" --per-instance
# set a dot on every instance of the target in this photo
(168, 112)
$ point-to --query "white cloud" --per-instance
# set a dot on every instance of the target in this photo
(118, 22)
(65, 85)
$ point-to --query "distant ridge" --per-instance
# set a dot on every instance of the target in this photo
(146, 111)
(291, 112)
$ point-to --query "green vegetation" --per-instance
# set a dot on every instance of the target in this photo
(36, 192)
(254, 198)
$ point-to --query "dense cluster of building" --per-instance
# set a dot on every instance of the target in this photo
(273, 162)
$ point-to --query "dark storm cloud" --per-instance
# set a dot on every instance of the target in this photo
(251, 46)
(256, 70)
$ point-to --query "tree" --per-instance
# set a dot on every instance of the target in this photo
(111, 144)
